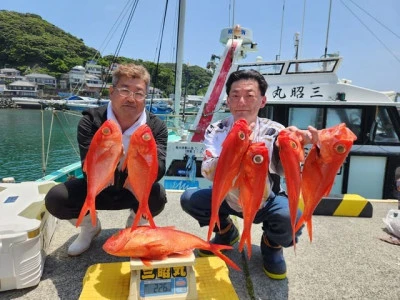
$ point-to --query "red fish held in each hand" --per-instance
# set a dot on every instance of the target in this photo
(141, 161)
(158, 243)
(228, 167)
(104, 153)
(321, 166)
(252, 183)
(291, 154)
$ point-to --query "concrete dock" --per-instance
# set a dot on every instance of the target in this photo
(346, 259)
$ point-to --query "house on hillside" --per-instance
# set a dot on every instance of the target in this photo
(93, 68)
(42, 80)
(10, 72)
(92, 86)
(21, 88)
(76, 77)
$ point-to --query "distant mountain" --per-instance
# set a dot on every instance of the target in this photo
(28, 41)
(31, 44)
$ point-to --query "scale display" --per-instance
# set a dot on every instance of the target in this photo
(163, 281)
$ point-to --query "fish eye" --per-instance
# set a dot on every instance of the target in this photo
(106, 131)
(242, 136)
(146, 137)
(293, 144)
(258, 159)
(340, 148)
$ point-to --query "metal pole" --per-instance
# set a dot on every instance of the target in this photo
(327, 31)
(179, 60)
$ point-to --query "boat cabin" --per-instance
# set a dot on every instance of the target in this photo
(301, 93)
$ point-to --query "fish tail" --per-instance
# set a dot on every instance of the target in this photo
(309, 229)
(249, 248)
(299, 223)
(245, 241)
(294, 239)
(214, 220)
(80, 218)
(216, 249)
(82, 214)
(145, 212)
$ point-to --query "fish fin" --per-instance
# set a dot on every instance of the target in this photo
(84, 210)
(146, 213)
(309, 229)
(245, 240)
(84, 166)
(182, 253)
(216, 249)
(299, 223)
(214, 220)
(146, 262)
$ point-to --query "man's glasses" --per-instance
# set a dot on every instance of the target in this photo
(124, 92)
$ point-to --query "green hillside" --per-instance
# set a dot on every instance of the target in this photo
(31, 44)
(28, 41)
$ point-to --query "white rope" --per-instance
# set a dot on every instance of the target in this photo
(43, 152)
(48, 143)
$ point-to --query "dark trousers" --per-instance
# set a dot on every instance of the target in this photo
(274, 216)
(65, 200)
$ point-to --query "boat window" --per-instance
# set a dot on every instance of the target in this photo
(179, 168)
(264, 69)
(266, 112)
(301, 117)
(384, 129)
(350, 116)
(324, 66)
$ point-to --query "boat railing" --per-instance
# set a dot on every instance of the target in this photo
(293, 67)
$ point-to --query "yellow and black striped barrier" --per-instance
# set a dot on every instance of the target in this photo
(346, 205)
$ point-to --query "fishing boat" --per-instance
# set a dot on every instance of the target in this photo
(301, 92)
(80, 103)
(25, 102)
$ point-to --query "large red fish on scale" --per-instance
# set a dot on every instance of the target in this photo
(291, 154)
(252, 182)
(228, 167)
(141, 161)
(320, 168)
(104, 153)
(158, 243)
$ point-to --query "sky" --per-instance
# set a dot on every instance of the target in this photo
(366, 33)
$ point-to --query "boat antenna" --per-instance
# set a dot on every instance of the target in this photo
(302, 29)
(232, 9)
(179, 59)
(327, 30)
(280, 42)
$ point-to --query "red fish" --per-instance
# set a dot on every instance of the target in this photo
(291, 154)
(228, 167)
(320, 168)
(102, 158)
(158, 243)
(252, 181)
(141, 161)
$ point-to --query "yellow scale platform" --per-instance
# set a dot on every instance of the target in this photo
(112, 280)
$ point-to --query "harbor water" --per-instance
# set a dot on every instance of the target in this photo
(34, 143)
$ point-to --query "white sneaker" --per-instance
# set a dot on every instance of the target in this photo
(85, 237)
(131, 217)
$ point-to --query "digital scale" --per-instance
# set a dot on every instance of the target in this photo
(171, 278)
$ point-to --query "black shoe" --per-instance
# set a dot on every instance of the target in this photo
(274, 264)
(229, 238)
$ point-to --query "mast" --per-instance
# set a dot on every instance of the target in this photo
(179, 59)
(327, 30)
